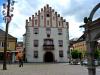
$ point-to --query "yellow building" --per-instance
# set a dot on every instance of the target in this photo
(11, 47)
(80, 45)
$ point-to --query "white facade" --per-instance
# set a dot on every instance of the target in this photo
(47, 37)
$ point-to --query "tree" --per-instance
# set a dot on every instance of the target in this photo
(79, 55)
(97, 54)
(76, 54)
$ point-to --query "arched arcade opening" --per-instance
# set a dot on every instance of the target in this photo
(48, 57)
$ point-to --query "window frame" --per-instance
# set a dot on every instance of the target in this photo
(36, 43)
(36, 22)
(60, 31)
(36, 30)
(61, 54)
(35, 54)
(60, 42)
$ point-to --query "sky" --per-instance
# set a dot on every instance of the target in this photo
(73, 11)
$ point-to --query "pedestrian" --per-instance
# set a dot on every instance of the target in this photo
(9, 58)
(20, 58)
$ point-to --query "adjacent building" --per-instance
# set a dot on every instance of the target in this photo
(79, 45)
(47, 37)
(19, 49)
(11, 47)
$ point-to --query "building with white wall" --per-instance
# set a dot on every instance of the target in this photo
(46, 37)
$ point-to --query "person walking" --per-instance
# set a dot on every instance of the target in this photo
(20, 58)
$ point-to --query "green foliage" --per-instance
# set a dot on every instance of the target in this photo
(79, 55)
(76, 54)
(97, 54)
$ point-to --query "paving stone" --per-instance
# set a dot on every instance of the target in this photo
(45, 69)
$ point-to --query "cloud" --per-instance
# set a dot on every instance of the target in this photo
(74, 30)
(72, 10)
(26, 9)
(2, 26)
(79, 9)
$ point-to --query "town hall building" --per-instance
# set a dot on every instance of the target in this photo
(47, 37)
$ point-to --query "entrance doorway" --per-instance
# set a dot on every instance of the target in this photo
(48, 57)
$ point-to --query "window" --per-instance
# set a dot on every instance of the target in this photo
(35, 22)
(8, 45)
(36, 31)
(59, 23)
(53, 18)
(42, 17)
(1, 44)
(59, 31)
(48, 41)
(48, 30)
(60, 53)
(35, 43)
(60, 43)
(47, 22)
(35, 54)
(48, 15)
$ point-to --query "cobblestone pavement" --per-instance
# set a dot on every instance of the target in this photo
(45, 69)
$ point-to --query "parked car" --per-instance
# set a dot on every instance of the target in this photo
(96, 62)
(85, 62)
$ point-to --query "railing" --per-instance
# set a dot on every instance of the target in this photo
(48, 47)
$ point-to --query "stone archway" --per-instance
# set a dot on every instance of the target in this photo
(48, 57)
(92, 29)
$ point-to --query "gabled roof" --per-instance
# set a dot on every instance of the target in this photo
(2, 34)
(82, 38)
